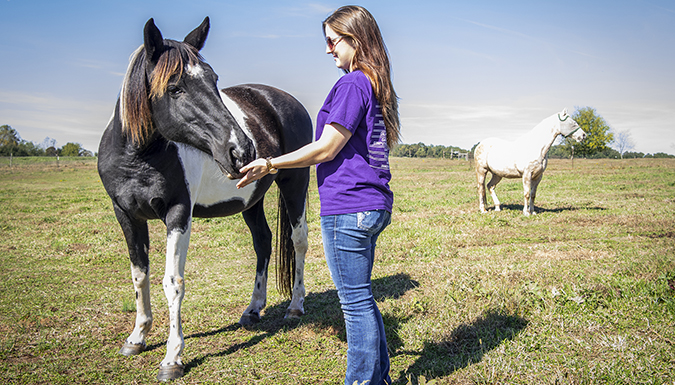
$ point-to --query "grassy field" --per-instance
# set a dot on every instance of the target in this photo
(581, 293)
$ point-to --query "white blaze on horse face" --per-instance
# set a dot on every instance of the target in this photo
(194, 70)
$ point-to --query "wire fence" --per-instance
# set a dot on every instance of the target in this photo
(26, 162)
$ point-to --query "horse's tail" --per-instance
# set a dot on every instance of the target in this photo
(285, 251)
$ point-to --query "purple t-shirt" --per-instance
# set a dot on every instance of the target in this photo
(358, 178)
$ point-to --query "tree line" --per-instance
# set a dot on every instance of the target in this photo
(421, 150)
(599, 138)
(11, 144)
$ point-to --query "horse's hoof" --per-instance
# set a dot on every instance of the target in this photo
(131, 349)
(294, 313)
(170, 372)
(248, 320)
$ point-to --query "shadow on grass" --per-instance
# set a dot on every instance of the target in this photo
(321, 309)
(539, 209)
(467, 345)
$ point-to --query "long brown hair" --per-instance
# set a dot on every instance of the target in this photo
(371, 58)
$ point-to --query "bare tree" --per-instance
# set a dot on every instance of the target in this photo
(623, 142)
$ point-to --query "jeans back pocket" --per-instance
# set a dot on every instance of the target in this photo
(373, 221)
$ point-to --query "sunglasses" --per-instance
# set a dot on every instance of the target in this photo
(331, 43)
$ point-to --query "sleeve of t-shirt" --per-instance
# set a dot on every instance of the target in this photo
(347, 107)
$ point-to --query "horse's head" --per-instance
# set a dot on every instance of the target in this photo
(569, 127)
(170, 91)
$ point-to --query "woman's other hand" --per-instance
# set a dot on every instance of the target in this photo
(253, 171)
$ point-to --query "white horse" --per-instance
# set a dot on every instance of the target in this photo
(523, 158)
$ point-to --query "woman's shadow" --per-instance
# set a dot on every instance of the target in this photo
(321, 309)
(466, 345)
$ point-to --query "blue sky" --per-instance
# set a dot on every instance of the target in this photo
(463, 71)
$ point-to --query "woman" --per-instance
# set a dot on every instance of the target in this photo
(356, 127)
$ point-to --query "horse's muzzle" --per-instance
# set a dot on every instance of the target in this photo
(233, 159)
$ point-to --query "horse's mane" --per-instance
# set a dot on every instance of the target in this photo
(137, 90)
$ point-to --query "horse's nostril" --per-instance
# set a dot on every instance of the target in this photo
(234, 158)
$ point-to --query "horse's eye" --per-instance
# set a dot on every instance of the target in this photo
(174, 91)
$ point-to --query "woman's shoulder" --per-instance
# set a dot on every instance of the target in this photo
(355, 79)
(356, 76)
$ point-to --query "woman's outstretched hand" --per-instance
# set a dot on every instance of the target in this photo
(253, 171)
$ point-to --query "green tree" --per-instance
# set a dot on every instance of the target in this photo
(559, 152)
(662, 155)
(71, 149)
(421, 150)
(9, 140)
(598, 135)
(633, 155)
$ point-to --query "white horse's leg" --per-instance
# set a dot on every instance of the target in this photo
(258, 299)
(481, 173)
(299, 238)
(135, 344)
(527, 193)
(492, 185)
(174, 289)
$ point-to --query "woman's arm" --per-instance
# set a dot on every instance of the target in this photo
(332, 140)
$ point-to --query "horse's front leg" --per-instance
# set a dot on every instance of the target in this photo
(527, 193)
(136, 235)
(533, 193)
(174, 289)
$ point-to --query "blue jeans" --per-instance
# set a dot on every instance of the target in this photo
(349, 245)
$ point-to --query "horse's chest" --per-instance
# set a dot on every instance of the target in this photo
(208, 186)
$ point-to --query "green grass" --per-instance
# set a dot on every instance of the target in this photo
(581, 293)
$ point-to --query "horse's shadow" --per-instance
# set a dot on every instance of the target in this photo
(540, 210)
(322, 309)
(465, 346)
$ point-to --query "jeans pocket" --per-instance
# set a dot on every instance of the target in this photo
(371, 221)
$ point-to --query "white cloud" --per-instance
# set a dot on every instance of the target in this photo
(36, 116)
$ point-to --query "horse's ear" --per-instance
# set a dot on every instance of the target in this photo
(564, 111)
(153, 41)
(197, 37)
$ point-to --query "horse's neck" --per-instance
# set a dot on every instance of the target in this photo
(542, 137)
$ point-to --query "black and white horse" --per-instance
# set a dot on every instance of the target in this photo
(172, 151)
